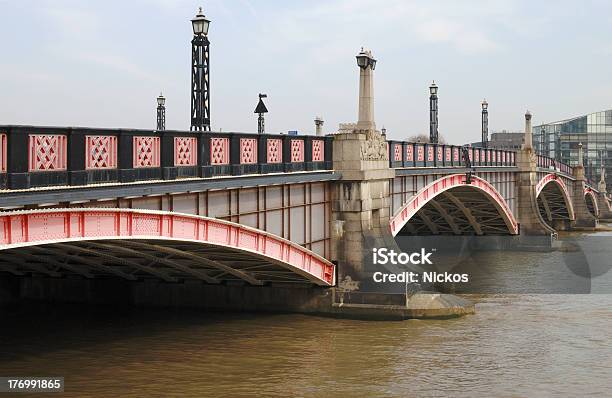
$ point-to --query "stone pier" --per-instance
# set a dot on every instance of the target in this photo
(584, 219)
(529, 217)
(605, 211)
(361, 210)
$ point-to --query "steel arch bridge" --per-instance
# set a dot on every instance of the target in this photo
(457, 205)
(553, 199)
(133, 244)
(483, 202)
(264, 221)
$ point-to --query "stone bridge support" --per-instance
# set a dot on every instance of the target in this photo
(361, 206)
(360, 201)
(584, 218)
(605, 211)
(529, 217)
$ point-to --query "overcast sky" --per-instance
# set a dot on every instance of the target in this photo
(86, 63)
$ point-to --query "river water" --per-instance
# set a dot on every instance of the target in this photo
(519, 343)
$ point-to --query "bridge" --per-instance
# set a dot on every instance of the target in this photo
(228, 220)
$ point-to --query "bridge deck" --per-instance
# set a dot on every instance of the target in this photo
(55, 194)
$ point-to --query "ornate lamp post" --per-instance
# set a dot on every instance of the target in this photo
(367, 64)
(200, 89)
(485, 123)
(433, 113)
(261, 109)
(161, 112)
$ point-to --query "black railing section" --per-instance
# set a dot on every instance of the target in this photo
(49, 163)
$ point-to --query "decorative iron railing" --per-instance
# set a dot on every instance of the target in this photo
(549, 163)
(409, 154)
(47, 156)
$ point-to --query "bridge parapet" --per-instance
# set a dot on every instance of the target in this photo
(546, 162)
(409, 154)
(46, 156)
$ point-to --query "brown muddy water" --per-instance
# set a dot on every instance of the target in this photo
(522, 343)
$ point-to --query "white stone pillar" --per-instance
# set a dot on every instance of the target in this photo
(366, 63)
(528, 133)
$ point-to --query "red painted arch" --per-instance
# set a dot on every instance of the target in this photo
(589, 192)
(553, 178)
(444, 184)
(36, 227)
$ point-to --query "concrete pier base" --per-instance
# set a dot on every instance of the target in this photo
(238, 298)
(423, 305)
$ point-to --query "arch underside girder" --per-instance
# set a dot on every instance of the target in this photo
(591, 203)
(137, 259)
(552, 204)
(553, 199)
(459, 211)
(134, 244)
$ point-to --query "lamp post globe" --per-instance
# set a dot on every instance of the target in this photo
(485, 105)
(365, 59)
(161, 100)
(362, 59)
(200, 24)
(433, 89)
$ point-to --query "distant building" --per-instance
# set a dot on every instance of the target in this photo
(560, 140)
(503, 140)
(506, 140)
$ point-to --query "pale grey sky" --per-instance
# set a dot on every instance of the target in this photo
(85, 63)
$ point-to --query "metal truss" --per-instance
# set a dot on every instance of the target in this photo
(552, 204)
